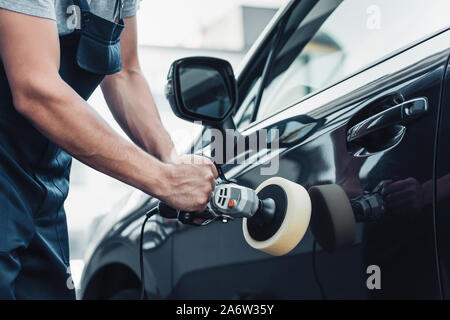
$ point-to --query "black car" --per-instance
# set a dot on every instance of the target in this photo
(333, 77)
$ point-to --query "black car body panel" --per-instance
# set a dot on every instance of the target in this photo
(442, 185)
(214, 262)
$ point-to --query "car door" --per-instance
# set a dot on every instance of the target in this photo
(313, 84)
(442, 185)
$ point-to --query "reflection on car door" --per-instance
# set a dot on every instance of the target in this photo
(215, 262)
(401, 243)
(317, 147)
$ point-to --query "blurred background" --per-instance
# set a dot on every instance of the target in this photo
(168, 30)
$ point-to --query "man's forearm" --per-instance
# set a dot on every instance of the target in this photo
(131, 102)
(66, 119)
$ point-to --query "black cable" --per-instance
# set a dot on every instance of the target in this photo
(316, 275)
(141, 252)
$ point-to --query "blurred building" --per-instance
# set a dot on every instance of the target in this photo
(237, 30)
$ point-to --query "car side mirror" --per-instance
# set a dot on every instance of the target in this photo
(202, 89)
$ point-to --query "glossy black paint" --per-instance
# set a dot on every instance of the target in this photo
(442, 186)
(214, 262)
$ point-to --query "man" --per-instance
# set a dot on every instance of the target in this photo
(53, 54)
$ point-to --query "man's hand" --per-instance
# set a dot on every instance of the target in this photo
(189, 184)
(404, 196)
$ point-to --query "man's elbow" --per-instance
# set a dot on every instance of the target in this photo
(31, 94)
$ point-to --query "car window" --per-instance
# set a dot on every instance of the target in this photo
(249, 86)
(244, 114)
(339, 38)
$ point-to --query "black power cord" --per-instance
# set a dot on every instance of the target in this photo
(316, 275)
(149, 214)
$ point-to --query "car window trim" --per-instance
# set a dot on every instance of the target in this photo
(415, 50)
(351, 75)
(266, 70)
(276, 43)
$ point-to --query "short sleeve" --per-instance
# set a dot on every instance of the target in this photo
(130, 7)
(37, 8)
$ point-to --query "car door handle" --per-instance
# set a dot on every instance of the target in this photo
(400, 114)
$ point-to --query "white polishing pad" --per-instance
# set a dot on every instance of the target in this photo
(295, 222)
